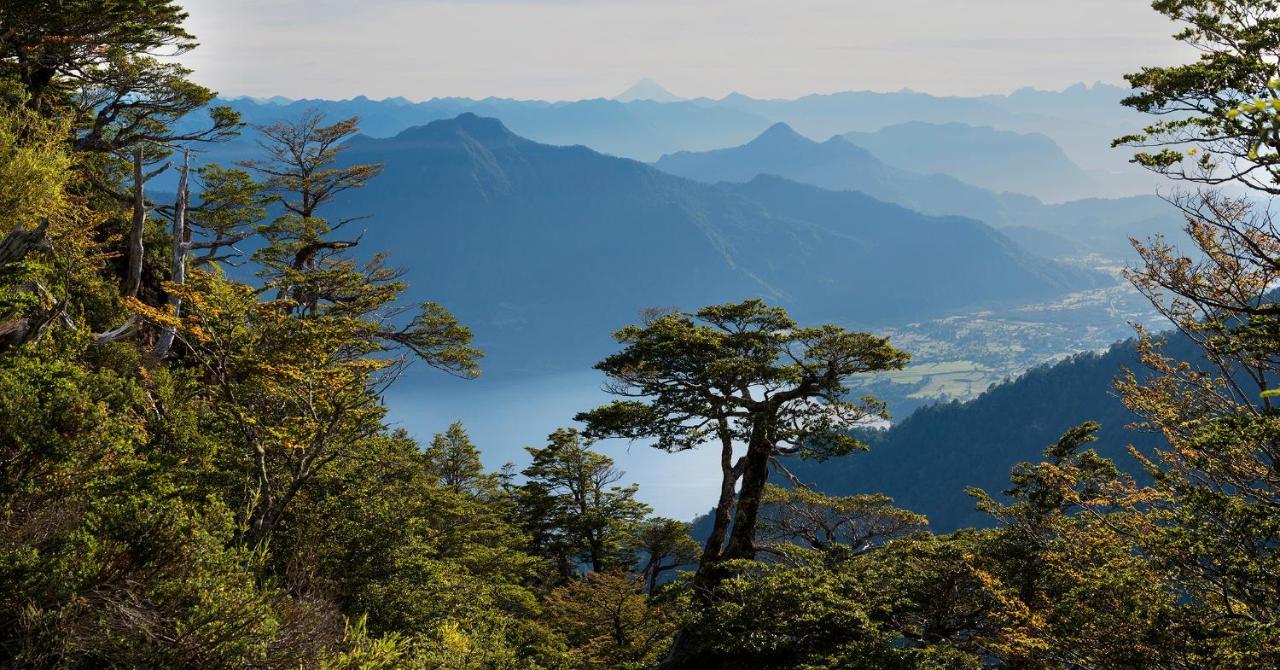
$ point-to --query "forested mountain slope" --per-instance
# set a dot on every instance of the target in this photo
(925, 462)
(546, 249)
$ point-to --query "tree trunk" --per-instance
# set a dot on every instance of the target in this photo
(755, 475)
(181, 246)
(133, 270)
(651, 571)
(704, 579)
(683, 653)
(19, 242)
(597, 556)
(17, 328)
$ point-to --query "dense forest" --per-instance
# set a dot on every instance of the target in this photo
(196, 467)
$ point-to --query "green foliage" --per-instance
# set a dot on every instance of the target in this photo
(768, 617)
(744, 373)
(738, 373)
(455, 461)
(229, 505)
(96, 63)
(694, 366)
(663, 545)
(1218, 114)
(231, 206)
(609, 623)
(35, 170)
(572, 509)
(100, 562)
(803, 517)
(1205, 524)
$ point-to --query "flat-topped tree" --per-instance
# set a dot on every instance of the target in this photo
(743, 374)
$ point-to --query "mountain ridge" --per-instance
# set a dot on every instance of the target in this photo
(1099, 225)
(510, 226)
(645, 130)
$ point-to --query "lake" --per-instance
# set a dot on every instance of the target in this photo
(504, 415)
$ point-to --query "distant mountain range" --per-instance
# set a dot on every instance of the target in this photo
(1082, 120)
(1098, 225)
(996, 160)
(642, 129)
(543, 250)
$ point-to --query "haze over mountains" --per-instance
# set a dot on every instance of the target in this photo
(1097, 226)
(646, 123)
(996, 160)
(936, 155)
(543, 250)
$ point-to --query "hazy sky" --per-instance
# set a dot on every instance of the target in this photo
(571, 49)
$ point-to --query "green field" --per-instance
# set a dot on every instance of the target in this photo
(950, 379)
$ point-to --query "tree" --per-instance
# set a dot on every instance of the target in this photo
(301, 163)
(804, 517)
(104, 71)
(1218, 113)
(769, 616)
(1071, 589)
(314, 274)
(240, 502)
(39, 212)
(572, 509)
(379, 535)
(181, 242)
(1208, 517)
(455, 461)
(664, 545)
(733, 373)
(609, 623)
(300, 376)
(109, 559)
(95, 62)
(232, 204)
(300, 171)
(739, 373)
(932, 595)
(1203, 524)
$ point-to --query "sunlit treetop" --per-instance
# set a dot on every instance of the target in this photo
(1220, 114)
(685, 374)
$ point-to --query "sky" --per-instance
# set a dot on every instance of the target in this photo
(576, 49)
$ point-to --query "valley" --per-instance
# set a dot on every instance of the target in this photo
(958, 357)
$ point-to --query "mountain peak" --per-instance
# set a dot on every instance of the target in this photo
(780, 134)
(647, 89)
(482, 129)
(481, 126)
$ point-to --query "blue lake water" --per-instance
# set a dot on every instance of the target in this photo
(504, 415)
